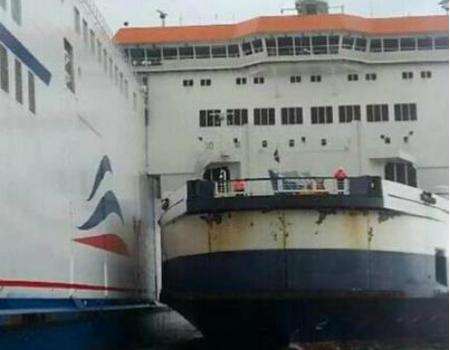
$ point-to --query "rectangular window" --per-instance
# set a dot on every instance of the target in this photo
(375, 45)
(247, 49)
(441, 267)
(233, 50)
(31, 93)
(137, 56)
(186, 53)
(441, 43)
(4, 69)
(154, 55)
(303, 45)
(322, 115)
(333, 44)
(407, 75)
(69, 66)
(407, 44)
(320, 45)
(205, 82)
(188, 82)
(353, 77)
(77, 19)
(292, 116)
(202, 52)
(295, 79)
(405, 112)
(19, 81)
(210, 118)
(237, 116)
(361, 44)
(85, 32)
(390, 45)
(271, 45)
(264, 116)
(316, 78)
(170, 53)
(348, 42)
(16, 9)
(347, 114)
(377, 113)
(425, 43)
(219, 51)
(285, 46)
(241, 81)
(257, 45)
(258, 80)
(371, 76)
(426, 74)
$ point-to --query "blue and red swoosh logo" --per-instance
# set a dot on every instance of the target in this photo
(108, 205)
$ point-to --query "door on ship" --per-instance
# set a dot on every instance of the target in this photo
(221, 176)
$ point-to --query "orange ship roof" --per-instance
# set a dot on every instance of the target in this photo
(281, 25)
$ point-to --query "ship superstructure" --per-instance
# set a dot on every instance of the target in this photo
(257, 117)
(75, 204)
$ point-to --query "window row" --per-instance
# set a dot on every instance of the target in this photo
(100, 52)
(18, 72)
(16, 9)
(286, 46)
(319, 115)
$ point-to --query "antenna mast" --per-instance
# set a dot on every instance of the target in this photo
(162, 15)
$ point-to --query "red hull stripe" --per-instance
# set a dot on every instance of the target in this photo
(61, 285)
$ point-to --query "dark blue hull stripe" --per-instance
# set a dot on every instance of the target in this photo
(10, 307)
(20, 51)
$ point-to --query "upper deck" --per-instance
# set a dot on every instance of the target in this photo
(287, 39)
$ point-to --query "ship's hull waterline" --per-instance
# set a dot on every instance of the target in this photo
(309, 274)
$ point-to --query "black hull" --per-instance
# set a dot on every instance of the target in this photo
(309, 296)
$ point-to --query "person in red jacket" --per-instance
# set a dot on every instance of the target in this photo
(340, 175)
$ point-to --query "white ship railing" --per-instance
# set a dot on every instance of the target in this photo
(289, 186)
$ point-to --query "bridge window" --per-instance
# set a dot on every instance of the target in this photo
(322, 115)
(361, 44)
(320, 45)
(4, 69)
(375, 45)
(186, 52)
(441, 43)
(347, 114)
(170, 53)
(407, 44)
(405, 112)
(425, 43)
(271, 45)
(237, 116)
(233, 50)
(19, 81)
(440, 263)
(137, 56)
(303, 45)
(247, 49)
(390, 45)
(285, 46)
(69, 66)
(401, 172)
(16, 9)
(258, 45)
(292, 116)
(210, 118)
(264, 116)
(219, 51)
(348, 42)
(377, 113)
(154, 55)
(31, 93)
(77, 20)
(202, 52)
(333, 43)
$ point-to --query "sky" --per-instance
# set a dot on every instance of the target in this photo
(188, 12)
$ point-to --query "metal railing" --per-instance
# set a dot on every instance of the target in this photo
(301, 186)
(91, 7)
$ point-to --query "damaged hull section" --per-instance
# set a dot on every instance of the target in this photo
(328, 272)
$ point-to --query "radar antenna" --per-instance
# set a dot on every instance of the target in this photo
(162, 15)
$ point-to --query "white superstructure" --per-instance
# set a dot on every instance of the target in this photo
(76, 207)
